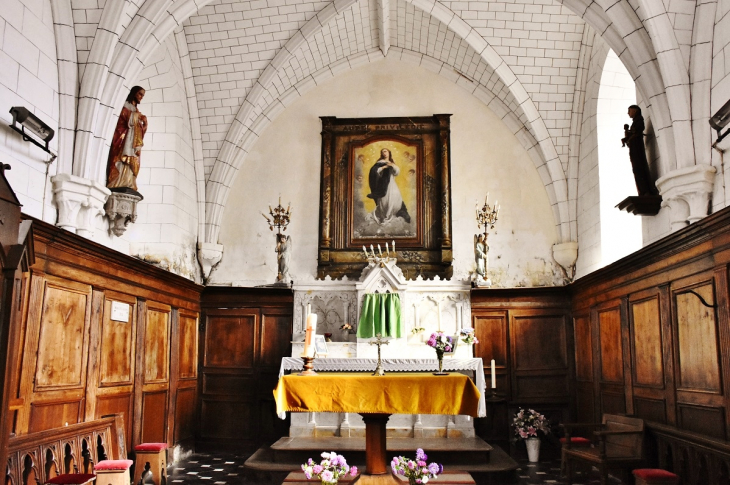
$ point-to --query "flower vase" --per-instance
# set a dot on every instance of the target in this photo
(533, 449)
(412, 481)
(440, 357)
(329, 483)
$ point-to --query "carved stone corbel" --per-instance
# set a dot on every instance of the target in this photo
(686, 192)
(209, 254)
(79, 201)
(121, 208)
(566, 254)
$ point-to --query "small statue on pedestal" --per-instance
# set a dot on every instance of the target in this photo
(486, 216)
(634, 138)
(283, 250)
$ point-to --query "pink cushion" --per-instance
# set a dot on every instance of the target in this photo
(151, 447)
(72, 479)
(654, 474)
(113, 465)
(577, 441)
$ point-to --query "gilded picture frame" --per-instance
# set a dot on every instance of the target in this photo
(385, 180)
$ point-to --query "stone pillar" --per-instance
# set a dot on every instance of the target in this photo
(79, 201)
(686, 193)
(209, 254)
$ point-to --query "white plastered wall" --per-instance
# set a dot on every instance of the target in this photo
(485, 157)
(29, 78)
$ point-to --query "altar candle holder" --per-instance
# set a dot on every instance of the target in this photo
(308, 367)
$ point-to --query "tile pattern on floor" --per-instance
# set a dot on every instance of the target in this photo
(209, 469)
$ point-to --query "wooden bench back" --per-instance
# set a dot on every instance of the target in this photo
(631, 445)
(37, 457)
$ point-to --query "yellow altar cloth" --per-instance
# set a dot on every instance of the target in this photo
(395, 393)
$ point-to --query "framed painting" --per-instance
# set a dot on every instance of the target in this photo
(385, 180)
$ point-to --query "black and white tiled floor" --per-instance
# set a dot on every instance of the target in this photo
(204, 469)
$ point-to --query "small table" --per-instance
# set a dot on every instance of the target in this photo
(375, 399)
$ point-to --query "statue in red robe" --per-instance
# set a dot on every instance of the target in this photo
(127, 142)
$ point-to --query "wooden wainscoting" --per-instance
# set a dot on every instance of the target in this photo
(246, 333)
(104, 333)
(652, 332)
(528, 332)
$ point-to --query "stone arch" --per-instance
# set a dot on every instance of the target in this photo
(242, 134)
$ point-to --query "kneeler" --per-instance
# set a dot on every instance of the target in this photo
(113, 472)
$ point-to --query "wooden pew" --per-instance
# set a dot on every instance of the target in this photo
(37, 457)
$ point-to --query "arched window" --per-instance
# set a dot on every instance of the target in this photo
(621, 232)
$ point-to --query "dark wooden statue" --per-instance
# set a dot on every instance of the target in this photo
(634, 138)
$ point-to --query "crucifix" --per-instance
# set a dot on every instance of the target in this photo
(379, 341)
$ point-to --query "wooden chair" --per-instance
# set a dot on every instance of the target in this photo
(620, 446)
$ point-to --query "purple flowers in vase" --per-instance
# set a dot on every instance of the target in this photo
(417, 471)
(330, 469)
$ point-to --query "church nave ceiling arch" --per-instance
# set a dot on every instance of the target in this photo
(298, 66)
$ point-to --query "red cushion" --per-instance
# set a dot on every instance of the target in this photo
(113, 465)
(577, 441)
(72, 479)
(151, 447)
(649, 474)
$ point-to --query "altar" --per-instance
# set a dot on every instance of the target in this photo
(426, 306)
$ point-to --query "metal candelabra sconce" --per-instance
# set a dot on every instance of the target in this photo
(280, 219)
(486, 217)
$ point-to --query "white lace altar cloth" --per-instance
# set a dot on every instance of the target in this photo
(393, 365)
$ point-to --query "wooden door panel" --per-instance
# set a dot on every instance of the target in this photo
(117, 404)
(491, 331)
(229, 341)
(154, 413)
(697, 341)
(116, 366)
(276, 331)
(647, 343)
(157, 346)
(185, 414)
(188, 347)
(583, 348)
(61, 360)
(538, 342)
(54, 415)
(612, 365)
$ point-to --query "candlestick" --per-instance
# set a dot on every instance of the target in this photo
(387, 250)
(494, 377)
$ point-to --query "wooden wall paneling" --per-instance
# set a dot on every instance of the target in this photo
(584, 381)
(647, 359)
(626, 356)
(609, 389)
(491, 329)
(16, 311)
(539, 355)
(112, 360)
(153, 373)
(700, 400)
(229, 391)
(274, 343)
(723, 314)
(183, 377)
(56, 354)
(670, 391)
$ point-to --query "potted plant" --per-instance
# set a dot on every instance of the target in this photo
(329, 470)
(467, 336)
(416, 471)
(529, 425)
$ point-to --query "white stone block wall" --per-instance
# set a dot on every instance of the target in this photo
(589, 210)
(165, 233)
(29, 78)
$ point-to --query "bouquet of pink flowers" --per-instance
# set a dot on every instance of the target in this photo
(442, 343)
(528, 423)
(417, 471)
(330, 469)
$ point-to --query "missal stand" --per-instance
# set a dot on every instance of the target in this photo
(375, 399)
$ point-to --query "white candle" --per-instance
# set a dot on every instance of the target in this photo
(494, 377)
(309, 309)
(379, 251)
(372, 250)
(365, 250)
(439, 310)
(394, 247)
(387, 250)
